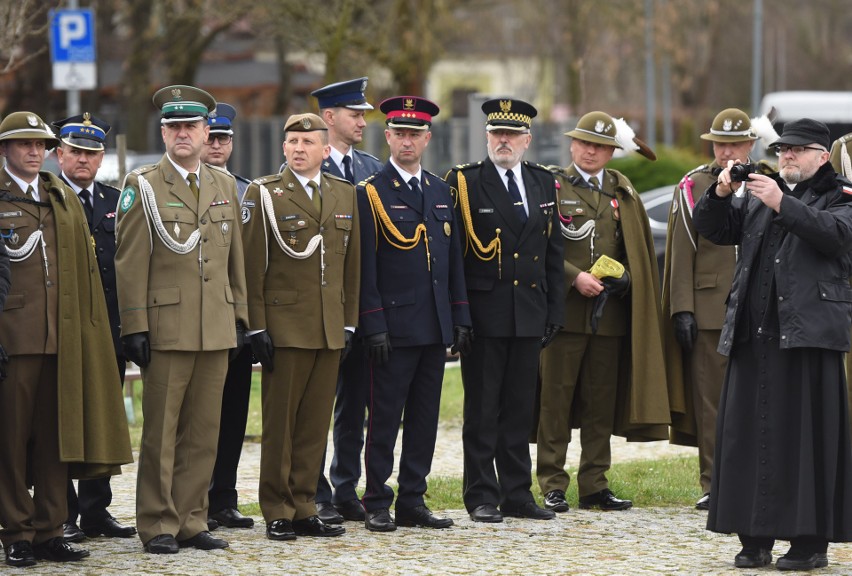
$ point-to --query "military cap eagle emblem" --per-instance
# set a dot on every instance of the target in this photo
(599, 126)
(408, 104)
(32, 120)
(506, 106)
(176, 93)
(306, 123)
(727, 125)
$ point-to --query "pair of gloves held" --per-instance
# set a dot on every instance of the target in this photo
(612, 287)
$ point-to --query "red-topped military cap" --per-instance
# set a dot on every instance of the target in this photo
(411, 112)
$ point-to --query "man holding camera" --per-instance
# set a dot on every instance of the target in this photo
(696, 281)
(783, 466)
(607, 360)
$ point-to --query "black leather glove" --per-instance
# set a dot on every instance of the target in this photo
(685, 329)
(550, 332)
(347, 345)
(263, 349)
(241, 340)
(617, 286)
(598, 308)
(137, 348)
(378, 347)
(4, 361)
(462, 340)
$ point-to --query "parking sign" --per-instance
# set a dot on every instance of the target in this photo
(72, 49)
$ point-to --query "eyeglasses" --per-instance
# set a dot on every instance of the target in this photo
(781, 150)
(222, 138)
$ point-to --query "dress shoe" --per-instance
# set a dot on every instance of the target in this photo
(20, 554)
(351, 510)
(795, 560)
(58, 550)
(555, 500)
(108, 527)
(486, 513)
(328, 513)
(231, 518)
(605, 500)
(528, 510)
(162, 544)
(204, 541)
(72, 533)
(379, 521)
(211, 524)
(703, 503)
(753, 558)
(281, 529)
(420, 516)
(313, 526)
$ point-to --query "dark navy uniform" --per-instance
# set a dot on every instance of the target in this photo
(513, 296)
(352, 382)
(417, 297)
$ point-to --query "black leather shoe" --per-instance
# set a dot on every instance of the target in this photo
(162, 544)
(486, 513)
(753, 558)
(351, 510)
(379, 521)
(529, 510)
(703, 503)
(72, 533)
(328, 513)
(211, 524)
(20, 554)
(313, 526)
(605, 500)
(281, 529)
(555, 500)
(231, 518)
(58, 550)
(204, 541)
(794, 560)
(420, 516)
(108, 527)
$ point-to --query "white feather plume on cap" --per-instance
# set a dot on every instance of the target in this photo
(624, 135)
(763, 129)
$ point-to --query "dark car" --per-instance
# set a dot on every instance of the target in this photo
(657, 202)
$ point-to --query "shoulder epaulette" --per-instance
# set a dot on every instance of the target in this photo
(242, 178)
(537, 166)
(432, 174)
(144, 169)
(467, 166)
(362, 153)
(368, 179)
(766, 167)
(702, 168)
(219, 168)
(622, 181)
(333, 177)
(109, 186)
(265, 179)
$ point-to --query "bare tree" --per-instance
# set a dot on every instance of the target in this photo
(20, 21)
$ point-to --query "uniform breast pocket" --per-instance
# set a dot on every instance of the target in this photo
(344, 232)
(444, 217)
(405, 220)
(222, 222)
(14, 234)
(295, 234)
(179, 224)
(108, 224)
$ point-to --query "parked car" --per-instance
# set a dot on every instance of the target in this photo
(657, 202)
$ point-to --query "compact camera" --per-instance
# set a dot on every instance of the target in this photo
(740, 172)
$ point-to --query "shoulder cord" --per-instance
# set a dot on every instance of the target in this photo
(25, 251)
(398, 241)
(313, 243)
(845, 161)
(484, 253)
(149, 203)
(687, 204)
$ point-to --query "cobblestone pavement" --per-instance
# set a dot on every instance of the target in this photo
(640, 541)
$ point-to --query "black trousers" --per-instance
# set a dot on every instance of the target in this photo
(232, 432)
(350, 405)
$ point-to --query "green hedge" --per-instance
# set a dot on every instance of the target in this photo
(669, 168)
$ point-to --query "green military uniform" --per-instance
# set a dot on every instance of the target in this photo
(180, 278)
(303, 293)
(60, 411)
(614, 381)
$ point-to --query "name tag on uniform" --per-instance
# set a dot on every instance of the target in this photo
(568, 202)
(441, 206)
(289, 217)
(174, 204)
(486, 210)
(16, 214)
(392, 207)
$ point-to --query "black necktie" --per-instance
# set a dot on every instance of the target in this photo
(347, 169)
(86, 199)
(413, 183)
(515, 193)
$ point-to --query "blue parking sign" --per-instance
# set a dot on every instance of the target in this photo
(72, 35)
